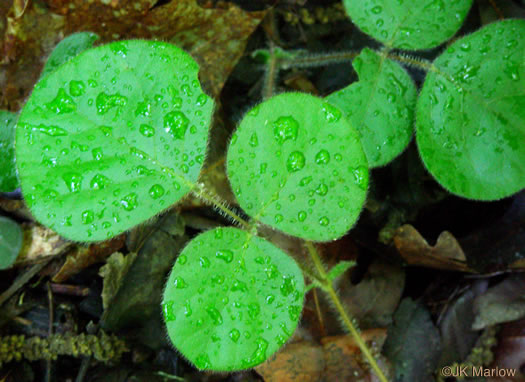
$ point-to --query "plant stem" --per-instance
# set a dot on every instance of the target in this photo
(271, 74)
(410, 60)
(313, 60)
(221, 205)
(328, 287)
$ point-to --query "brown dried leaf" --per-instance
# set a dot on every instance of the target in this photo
(40, 243)
(344, 361)
(82, 257)
(337, 359)
(116, 268)
(216, 38)
(300, 361)
(510, 351)
(503, 302)
(445, 254)
(375, 298)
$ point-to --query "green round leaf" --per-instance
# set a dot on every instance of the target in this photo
(471, 114)
(68, 48)
(11, 238)
(8, 180)
(296, 164)
(112, 137)
(232, 300)
(409, 24)
(380, 105)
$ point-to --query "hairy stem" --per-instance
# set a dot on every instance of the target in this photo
(305, 60)
(313, 60)
(328, 287)
(417, 62)
(213, 199)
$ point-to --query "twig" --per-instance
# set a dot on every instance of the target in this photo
(271, 73)
(22, 280)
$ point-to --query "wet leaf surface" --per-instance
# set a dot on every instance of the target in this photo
(232, 300)
(313, 164)
(103, 137)
(469, 120)
(11, 238)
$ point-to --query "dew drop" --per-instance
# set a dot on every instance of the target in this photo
(77, 88)
(254, 142)
(322, 189)
(156, 191)
(305, 181)
(285, 128)
(176, 124)
(360, 177)
(202, 99)
(167, 311)
(88, 216)
(294, 311)
(179, 283)
(253, 310)
(73, 181)
(129, 202)
(287, 287)
(296, 161)
(331, 113)
(225, 255)
(147, 130)
(53, 131)
(301, 216)
(99, 182)
(62, 103)
(204, 262)
(377, 9)
(324, 221)
(322, 157)
(235, 335)
(215, 315)
(105, 102)
(203, 361)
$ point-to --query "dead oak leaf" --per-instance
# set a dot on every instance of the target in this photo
(445, 254)
(300, 361)
(338, 358)
(344, 361)
(216, 38)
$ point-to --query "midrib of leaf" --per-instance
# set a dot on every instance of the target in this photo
(373, 88)
(400, 25)
(467, 91)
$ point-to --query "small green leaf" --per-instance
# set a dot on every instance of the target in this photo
(471, 114)
(8, 180)
(380, 105)
(11, 238)
(409, 24)
(339, 269)
(112, 137)
(232, 300)
(296, 164)
(68, 48)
